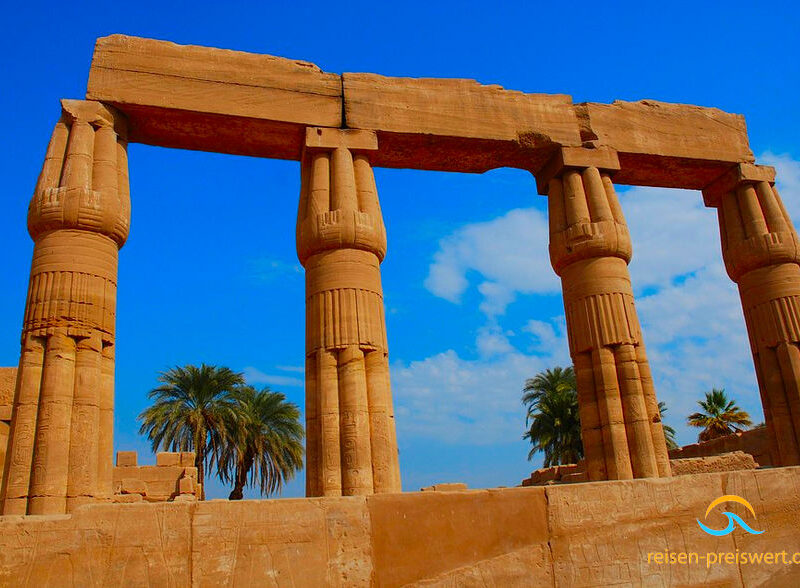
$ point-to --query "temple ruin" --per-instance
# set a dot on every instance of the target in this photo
(362, 529)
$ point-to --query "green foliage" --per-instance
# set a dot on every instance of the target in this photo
(553, 421)
(720, 416)
(265, 442)
(669, 432)
(250, 436)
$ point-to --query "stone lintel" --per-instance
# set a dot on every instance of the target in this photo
(748, 173)
(352, 139)
(603, 158)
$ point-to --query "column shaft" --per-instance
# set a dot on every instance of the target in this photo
(341, 240)
(761, 251)
(590, 248)
(60, 443)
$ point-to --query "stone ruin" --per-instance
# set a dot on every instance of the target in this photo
(356, 527)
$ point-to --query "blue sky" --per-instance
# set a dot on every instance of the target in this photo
(209, 273)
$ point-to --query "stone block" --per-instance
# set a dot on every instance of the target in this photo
(574, 477)
(126, 498)
(725, 462)
(8, 379)
(168, 459)
(775, 497)
(447, 487)
(132, 486)
(99, 545)
(601, 533)
(670, 145)
(292, 542)
(460, 529)
(208, 99)
(186, 486)
(187, 459)
(126, 459)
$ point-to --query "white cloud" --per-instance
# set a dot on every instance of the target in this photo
(509, 252)
(689, 309)
(546, 339)
(492, 341)
(672, 232)
(787, 178)
(255, 376)
(455, 400)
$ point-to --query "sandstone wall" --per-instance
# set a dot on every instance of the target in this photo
(755, 442)
(725, 462)
(173, 475)
(573, 535)
(8, 378)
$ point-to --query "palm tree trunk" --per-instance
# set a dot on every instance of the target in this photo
(242, 469)
(199, 463)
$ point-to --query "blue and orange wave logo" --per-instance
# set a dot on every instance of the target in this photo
(733, 518)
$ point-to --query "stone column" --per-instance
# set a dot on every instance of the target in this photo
(351, 445)
(761, 252)
(590, 249)
(59, 452)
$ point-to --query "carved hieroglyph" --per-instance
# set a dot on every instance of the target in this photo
(761, 252)
(341, 241)
(60, 445)
(590, 249)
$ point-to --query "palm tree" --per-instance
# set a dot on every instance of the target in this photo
(669, 432)
(190, 411)
(546, 382)
(555, 426)
(721, 416)
(264, 442)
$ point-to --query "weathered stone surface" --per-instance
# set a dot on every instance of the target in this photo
(457, 125)
(186, 485)
(209, 99)
(671, 145)
(5, 428)
(446, 487)
(162, 483)
(756, 442)
(601, 533)
(351, 443)
(423, 535)
(775, 497)
(529, 566)
(570, 535)
(132, 486)
(126, 459)
(168, 459)
(302, 542)
(98, 546)
(228, 101)
(8, 379)
(761, 250)
(726, 462)
(590, 248)
(60, 443)
(552, 474)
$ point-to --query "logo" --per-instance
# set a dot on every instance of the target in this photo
(733, 519)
